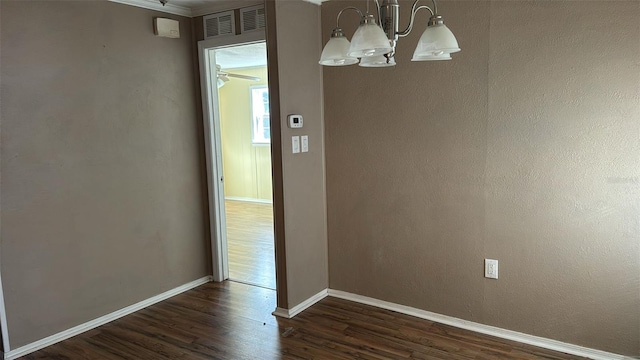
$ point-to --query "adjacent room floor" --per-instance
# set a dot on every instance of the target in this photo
(250, 242)
(231, 320)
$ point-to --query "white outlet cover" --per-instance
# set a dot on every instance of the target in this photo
(491, 268)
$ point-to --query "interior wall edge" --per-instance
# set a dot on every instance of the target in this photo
(324, 152)
(277, 173)
(304, 305)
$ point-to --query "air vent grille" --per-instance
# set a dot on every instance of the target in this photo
(219, 24)
(252, 18)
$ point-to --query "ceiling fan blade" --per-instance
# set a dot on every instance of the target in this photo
(245, 77)
(225, 75)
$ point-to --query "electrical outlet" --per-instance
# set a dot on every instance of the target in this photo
(491, 268)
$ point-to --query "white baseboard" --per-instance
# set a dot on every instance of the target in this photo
(76, 330)
(289, 313)
(259, 201)
(281, 312)
(481, 328)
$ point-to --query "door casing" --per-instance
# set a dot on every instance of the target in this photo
(213, 149)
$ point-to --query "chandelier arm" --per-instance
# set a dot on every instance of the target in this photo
(345, 9)
(414, 10)
(379, 13)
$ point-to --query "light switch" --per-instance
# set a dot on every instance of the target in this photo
(295, 144)
(305, 143)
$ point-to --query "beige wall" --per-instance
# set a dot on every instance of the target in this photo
(299, 80)
(102, 194)
(299, 196)
(524, 148)
(247, 167)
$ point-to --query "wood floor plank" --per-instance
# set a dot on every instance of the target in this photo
(227, 321)
(250, 241)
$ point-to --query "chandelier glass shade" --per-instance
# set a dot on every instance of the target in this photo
(436, 43)
(335, 52)
(369, 40)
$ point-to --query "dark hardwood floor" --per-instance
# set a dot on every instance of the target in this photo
(233, 321)
(250, 243)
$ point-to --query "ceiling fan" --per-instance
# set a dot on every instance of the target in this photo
(223, 76)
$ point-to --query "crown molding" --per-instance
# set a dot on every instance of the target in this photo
(156, 5)
(214, 7)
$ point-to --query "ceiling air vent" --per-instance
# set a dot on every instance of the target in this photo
(252, 19)
(219, 24)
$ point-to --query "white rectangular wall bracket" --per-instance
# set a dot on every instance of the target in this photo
(166, 28)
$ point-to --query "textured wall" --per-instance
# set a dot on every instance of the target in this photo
(524, 148)
(247, 167)
(102, 199)
(300, 92)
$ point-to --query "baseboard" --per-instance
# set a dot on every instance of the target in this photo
(259, 201)
(289, 313)
(281, 312)
(481, 328)
(76, 330)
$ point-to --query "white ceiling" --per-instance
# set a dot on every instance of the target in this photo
(242, 56)
(191, 3)
(192, 8)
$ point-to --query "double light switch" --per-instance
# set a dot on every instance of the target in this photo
(300, 144)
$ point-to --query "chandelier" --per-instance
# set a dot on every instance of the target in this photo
(374, 42)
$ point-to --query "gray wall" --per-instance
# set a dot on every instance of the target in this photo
(299, 83)
(523, 148)
(299, 195)
(102, 194)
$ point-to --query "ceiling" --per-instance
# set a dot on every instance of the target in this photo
(192, 8)
(242, 56)
(191, 3)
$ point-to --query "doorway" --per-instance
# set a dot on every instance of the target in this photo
(245, 132)
(237, 132)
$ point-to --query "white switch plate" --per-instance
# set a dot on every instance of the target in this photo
(305, 143)
(295, 144)
(491, 268)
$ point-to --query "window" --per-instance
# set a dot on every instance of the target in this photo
(260, 121)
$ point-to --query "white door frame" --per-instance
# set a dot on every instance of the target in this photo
(213, 148)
